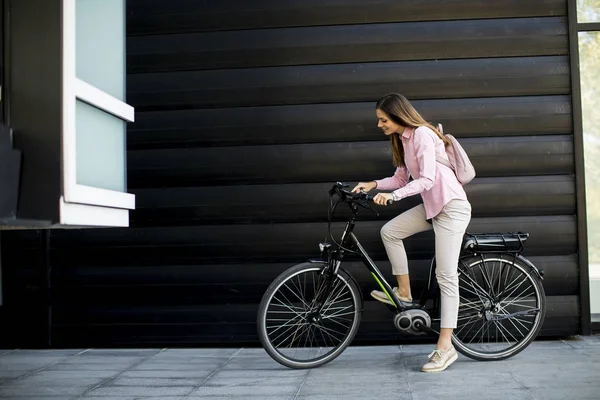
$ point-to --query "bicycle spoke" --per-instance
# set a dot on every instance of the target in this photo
(335, 293)
(471, 305)
(509, 286)
(310, 316)
(484, 274)
(338, 322)
(501, 333)
(472, 322)
(289, 327)
(298, 297)
(508, 332)
(475, 321)
(328, 329)
(339, 313)
(299, 292)
(291, 322)
(511, 321)
(496, 323)
(293, 309)
(477, 291)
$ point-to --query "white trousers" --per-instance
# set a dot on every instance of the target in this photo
(449, 227)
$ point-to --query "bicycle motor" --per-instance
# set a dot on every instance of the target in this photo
(413, 322)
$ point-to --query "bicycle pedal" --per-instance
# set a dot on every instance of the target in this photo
(411, 305)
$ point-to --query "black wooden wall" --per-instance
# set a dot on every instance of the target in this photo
(247, 111)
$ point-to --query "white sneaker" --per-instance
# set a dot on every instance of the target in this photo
(382, 297)
(439, 360)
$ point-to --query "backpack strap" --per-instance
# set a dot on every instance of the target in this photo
(442, 160)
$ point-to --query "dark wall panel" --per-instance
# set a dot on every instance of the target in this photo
(550, 235)
(348, 43)
(184, 16)
(518, 76)
(496, 156)
(210, 324)
(303, 202)
(247, 111)
(241, 281)
(321, 123)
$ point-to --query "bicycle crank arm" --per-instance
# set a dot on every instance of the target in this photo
(424, 328)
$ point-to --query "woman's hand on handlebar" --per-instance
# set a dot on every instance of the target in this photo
(366, 186)
(383, 198)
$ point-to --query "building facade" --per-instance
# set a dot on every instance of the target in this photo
(246, 112)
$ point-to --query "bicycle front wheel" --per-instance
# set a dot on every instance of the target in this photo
(502, 307)
(305, 319)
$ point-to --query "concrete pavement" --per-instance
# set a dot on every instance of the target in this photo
(567, 368)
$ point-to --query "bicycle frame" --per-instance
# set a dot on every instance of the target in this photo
(477, 245)
(350, 241)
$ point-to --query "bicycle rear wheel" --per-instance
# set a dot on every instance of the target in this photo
(502, 307)
(300, 325)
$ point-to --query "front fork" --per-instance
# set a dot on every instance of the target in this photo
(328, 274)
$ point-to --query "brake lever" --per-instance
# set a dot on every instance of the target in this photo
(372, 209)
(366, 203)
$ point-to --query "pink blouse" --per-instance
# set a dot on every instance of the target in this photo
(436, 182)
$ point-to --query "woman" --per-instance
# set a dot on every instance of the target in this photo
(415, 146)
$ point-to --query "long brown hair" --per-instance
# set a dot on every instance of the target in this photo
(401, 112)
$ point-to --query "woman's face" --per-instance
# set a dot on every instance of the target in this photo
(386, 124)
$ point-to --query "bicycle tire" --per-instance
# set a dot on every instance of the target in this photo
(525, 310)
(348, 304)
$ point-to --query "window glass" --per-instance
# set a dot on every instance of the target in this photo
(588, 10)
(100, 45)
(589, 59)
(100, 142)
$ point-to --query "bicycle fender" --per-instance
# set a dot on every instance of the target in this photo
(538, 272)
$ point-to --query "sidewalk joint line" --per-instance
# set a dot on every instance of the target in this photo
(112, 378)
(302, 384)
(410, 389)
(522, 385)
(219, 368)
(27, 374)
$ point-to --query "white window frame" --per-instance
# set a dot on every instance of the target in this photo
(75, 89)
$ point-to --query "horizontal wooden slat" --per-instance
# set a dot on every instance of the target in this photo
(509, 196)
(205, 283)
(179, 285)
(236, 323)
(506, 156)
(193, 315)
(344, 122)
(349, 83)
(177, 16)
(27, 238)
(516, 37)
(550, 235)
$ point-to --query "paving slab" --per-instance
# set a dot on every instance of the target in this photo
(561, 368)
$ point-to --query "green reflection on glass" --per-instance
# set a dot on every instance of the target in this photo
(588, 10)
(589, 59)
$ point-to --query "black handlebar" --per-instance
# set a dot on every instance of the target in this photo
(348, 196)
(353, 200)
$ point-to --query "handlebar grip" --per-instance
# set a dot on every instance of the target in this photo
(370, 198)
